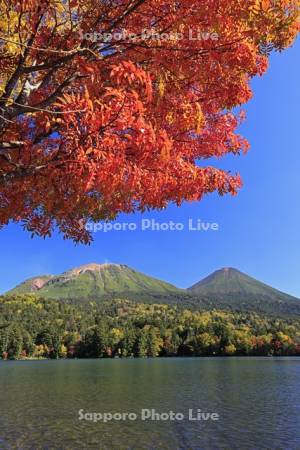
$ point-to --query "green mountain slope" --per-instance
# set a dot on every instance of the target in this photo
(230, 287)
(31, 285)
(96, 281)
(227, 289)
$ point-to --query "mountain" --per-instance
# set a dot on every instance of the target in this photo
(227, 289)
(31, 285)
(96, 281)
(229, 286)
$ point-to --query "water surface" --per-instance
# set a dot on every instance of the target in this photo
(257, 399)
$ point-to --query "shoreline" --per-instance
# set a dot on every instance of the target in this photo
(157, 358)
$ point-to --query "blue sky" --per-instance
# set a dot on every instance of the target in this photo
(259, 230)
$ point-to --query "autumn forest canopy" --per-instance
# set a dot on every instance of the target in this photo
(112, 106)
(32, 327)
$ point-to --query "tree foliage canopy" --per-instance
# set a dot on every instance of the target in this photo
(35, 327)
(93, 125)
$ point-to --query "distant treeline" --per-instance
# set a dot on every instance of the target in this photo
(33, 327)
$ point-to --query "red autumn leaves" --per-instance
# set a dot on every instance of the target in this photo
(92, 129)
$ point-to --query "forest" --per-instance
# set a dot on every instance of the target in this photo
(34, 328)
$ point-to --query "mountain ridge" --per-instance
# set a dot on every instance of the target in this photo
(94, 280)
(233, 276)
(226, 288)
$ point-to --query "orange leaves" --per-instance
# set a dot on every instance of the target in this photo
(274, 24)
(110, 126)
(166, 146)
(260, 5)
(88, 100)
(199, 118)
(128, 73)
(68, 99)
(47, 125)
(265, 5)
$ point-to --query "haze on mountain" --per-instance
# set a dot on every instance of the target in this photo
(226, 288)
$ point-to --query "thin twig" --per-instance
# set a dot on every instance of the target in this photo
(65, 52)
(41, 109)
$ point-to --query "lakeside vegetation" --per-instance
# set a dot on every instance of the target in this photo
(32, 327)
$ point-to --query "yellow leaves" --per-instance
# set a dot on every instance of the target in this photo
(284, 338)
(13, 47)
(9, 101)
(260, 5)
(11, 22)
(170, 118)
(199, 118)
(189, 116)
(274, 23)
(2, 86)
(161, 86)
(230, 349)
(187, 110)
(59, 6)
(116, 334)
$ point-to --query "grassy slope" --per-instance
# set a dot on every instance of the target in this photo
(231, 287)
(226, 289)
(109, 280)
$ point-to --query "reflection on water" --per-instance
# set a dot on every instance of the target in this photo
(257, 399)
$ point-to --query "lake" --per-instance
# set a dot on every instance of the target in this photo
(243, 403)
